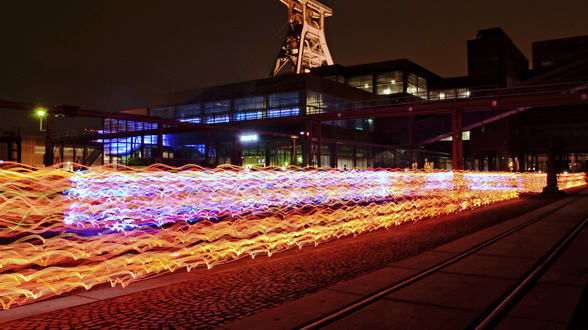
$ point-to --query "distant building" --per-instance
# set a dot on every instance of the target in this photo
(494, 61)
(552, 54)
(292, 119)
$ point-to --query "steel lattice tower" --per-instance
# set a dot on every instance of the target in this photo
(305, 46)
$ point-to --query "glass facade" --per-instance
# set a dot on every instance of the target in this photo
(389, 83)
(316, 103)
(284, 99)
(217, 107)
(119, 150)
(365, 82)
(274, 105)
(248, 108)
(284, 104)
(416, 85)
(188, 111)
(249, 103)
(447, 94)
(283, 112)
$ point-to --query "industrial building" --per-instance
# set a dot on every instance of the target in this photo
(280, 114)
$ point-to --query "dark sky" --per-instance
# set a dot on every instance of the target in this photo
(113, 55)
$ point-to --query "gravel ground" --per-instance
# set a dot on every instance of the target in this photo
(248, 288)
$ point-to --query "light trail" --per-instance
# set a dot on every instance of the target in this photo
(61, 230)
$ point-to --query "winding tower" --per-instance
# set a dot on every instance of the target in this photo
(305, 46)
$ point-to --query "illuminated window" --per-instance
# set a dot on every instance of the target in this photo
(249, 103)
(284, 99)
(389, 83)
(201, 148)
(188, 111)
(284, 112)
(316, 103)
(250, 115)
(362, 82)
(125, 146)
(117, 126)
(422, 85)
(217, 107)
(416, 85)
(217, 119)
(447, 94)
(463, 92)
(465, 136)
(195, 120)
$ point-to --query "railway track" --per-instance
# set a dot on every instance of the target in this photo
(527, 272)
(496, 308)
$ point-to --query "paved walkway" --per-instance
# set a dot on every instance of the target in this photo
(454, 297)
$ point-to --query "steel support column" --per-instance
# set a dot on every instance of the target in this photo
(217, 148)
(237, 155)
(61, 151)
(410, 140)
(309, 144)
(335, 156)
(159, 143)
(49, 141)
(267, 152)
(319, 145)
(457, 143)
(142, 147)
(551, 187)
(294, 156)
(207, 150)
(74, 153)
(85, 155)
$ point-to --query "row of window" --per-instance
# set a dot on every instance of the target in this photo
(124, 146)
(250, 108)
(393, 83)
(321, 103)
(446, 94)
(241, 116)
(288, 104)
(117, 126)
(385, 83)
(246, 104)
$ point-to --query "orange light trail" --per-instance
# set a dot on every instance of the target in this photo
(205, 217)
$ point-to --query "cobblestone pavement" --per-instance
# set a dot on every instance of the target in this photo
(209, 302)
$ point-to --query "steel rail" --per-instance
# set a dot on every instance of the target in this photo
(505, 304)
(371, 298)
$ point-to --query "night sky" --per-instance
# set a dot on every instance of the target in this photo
(114, 55)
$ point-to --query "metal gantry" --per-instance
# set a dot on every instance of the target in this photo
(305, 46)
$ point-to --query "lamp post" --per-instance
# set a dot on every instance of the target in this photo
(41, 112)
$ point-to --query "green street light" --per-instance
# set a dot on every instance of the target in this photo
(41, 112)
